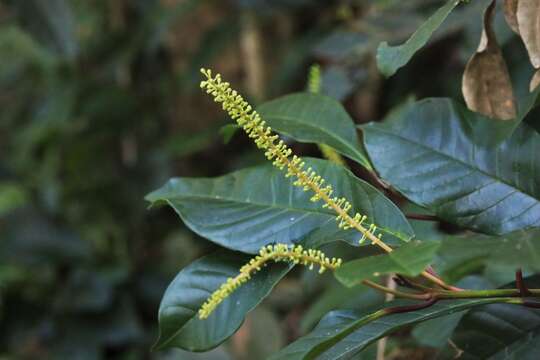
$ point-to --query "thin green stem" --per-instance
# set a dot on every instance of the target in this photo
(470, 294)
(396, 293)
(439, 294)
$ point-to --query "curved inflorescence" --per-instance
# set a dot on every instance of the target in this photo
(278, 152)
(276, 253)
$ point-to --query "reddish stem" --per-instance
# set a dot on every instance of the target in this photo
(407, 308)
(520, 284)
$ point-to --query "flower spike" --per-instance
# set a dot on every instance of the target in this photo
(280, 155)
(314, 79)
(277, 253)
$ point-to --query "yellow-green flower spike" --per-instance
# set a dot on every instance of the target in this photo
(276, 253)
(278, 152)
(314, 79)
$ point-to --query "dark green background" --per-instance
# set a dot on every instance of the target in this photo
(99, 105)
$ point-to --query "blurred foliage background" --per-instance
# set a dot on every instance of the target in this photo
(99, 104)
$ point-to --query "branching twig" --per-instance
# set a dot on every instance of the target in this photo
(413, 307)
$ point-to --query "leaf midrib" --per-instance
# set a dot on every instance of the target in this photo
(226, 199)
(401, 234)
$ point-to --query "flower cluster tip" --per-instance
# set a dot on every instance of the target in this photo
(276, 253)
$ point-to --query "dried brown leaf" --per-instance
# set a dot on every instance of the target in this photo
(510, 13)
(528, 17)
(486, 86)
(535, 81)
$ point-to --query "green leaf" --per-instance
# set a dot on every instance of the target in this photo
(517, 249)
(492, 331)
(217, 354)
(436, 332)
(438, 154)
(179, 325)
(343, 334)
(410, 259)
(335, 297)
(316, 119)
(253, 207)
(391, 58)
(500, 331)
(526, 348)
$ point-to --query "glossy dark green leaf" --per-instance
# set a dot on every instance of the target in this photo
(526, 348)
(179, 325)
(315, 118)
(439, 155)
(219, 353)
(343, 334)
(436, 332)
(499, 331)
(391, 58)
(409, 259)
(257, 206)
